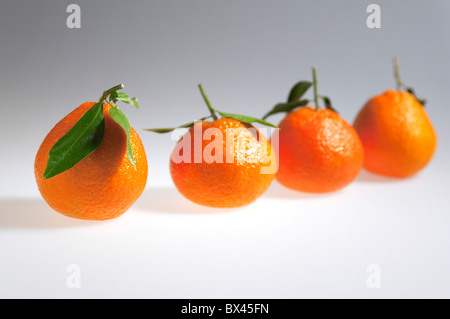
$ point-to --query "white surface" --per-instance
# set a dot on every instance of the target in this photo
(285, 245)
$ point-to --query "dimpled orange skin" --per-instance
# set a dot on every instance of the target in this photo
(397, 134)
(222, 184)
(319, 151)
(103, 185)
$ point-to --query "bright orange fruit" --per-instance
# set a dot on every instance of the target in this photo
(397, 134)
(318, 151)
(236, 181)
(222, 163)
(104, 184)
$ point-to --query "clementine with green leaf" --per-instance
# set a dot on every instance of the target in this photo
(222, 163)
(318, 150)
(92, 164)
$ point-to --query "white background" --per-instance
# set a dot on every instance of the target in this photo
(285, 245)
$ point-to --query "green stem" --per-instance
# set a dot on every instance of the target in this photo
(208, 103)
(397, 75)
(108, 92)
(316, 94)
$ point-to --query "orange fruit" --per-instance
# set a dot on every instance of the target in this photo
(397, 134)
(318, 151)
(104, 184)
(224, 182)
(223, 163)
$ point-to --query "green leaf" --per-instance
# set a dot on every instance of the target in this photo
(80, 141)
(328, 104)
(245, 118)
(162, 130)
(286, 107)
(298, 91)
(135, 102)
(420, 100)
(111, 91)
(120, 118)
(125, 98)
(113, 96)
(242, 118)
(170, 129)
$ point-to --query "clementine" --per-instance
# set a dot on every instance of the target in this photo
(397, 134)
(222, 163)
(105, 183)
(318, 150)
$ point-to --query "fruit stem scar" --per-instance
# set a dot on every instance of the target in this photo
(398, 79)
(208, 103)
(316, 94)
(108, 92)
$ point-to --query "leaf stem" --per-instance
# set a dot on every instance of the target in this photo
(398, 79)
(316, 94)
(108, 92)
(208, 103)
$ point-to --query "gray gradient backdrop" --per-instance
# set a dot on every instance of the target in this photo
(247, 54)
